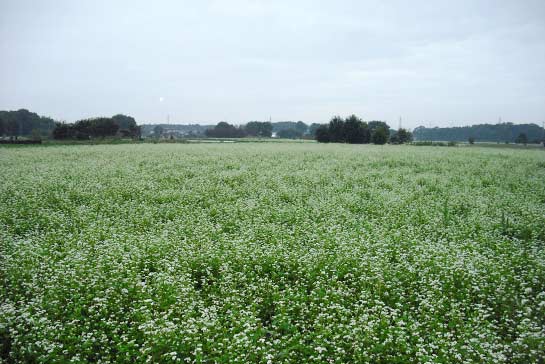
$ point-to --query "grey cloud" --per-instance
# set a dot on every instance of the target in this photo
(441, 61)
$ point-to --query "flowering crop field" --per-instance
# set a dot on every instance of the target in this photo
(272, 253)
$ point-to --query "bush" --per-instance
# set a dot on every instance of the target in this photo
(225, 130)
(352, 130)
(379, 136)
(322, 134)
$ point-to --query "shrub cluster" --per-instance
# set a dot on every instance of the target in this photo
(226, 130)
(97, 127)
(354, 130)
(24, 123)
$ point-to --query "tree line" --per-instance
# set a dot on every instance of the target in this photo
(354, 130)
(280, 129)
(101, 127)
(22, 122)
(503, 133)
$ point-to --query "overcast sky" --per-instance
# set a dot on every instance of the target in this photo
(434, 63)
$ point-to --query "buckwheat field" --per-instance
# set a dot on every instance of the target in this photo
(271, 253)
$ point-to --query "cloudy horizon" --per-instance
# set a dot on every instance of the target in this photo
(441, 64)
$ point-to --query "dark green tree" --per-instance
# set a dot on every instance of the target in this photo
(481, 132)
(63, 131)
(225, 130)
(23, 122)
(522, 138)
(377, 124)
(12, 128)
(259, 129)
(394, 139)
(379, 135)
(336, 130)
(322, 134)
(403, 136)
(355, 130)
(103, 127)
(127, 126)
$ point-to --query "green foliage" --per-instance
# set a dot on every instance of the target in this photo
(379, 135)
(86, 129)
(258, 252)
(225, 130)
(23, 122)
(127, 126)
(356, 131)
(521, 139)
(259, 129)
(504, 132)
(352, 130)
(121, 125)
(322, 134)
(373, 125)
(336, 130)
(401, 136)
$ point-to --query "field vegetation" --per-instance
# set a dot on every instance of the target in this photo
(271, 253)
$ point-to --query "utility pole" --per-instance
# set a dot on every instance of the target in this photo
(399, 126)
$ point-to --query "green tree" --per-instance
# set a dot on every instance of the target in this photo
(301, 127)
(259, 129)
(394, 139)
(322, 134)
(379, 135)
(63, 131)
(127, 125)
(12, 128)
(355, 130)
(403, 136)
(336, 130)
(225, 130)
(378, 124)
(522, 139)
(481, 132)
